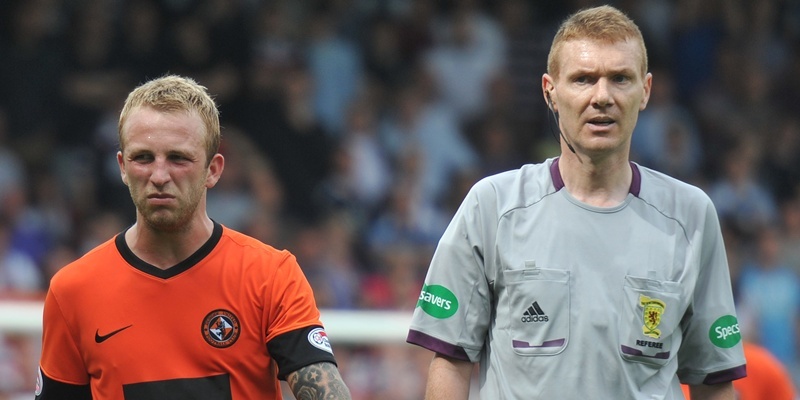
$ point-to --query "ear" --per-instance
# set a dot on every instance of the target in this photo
(215, 168)
(547, 89)
(121, 163)
(648, 84)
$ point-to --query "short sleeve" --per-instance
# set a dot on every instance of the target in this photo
(61, 358)
(453, 311)
(295, 336)
(290, 300)
(712, 348)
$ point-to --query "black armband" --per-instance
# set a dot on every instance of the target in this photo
(51, 389)
(298, 348)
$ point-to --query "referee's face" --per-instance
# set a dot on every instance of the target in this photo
(164, 163)
(598, 93)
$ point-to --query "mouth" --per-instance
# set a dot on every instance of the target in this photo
(602, 121)
(160, 196)
(157, 199)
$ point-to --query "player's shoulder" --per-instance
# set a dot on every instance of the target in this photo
(248, 246)
(88, 266)
(255, 261)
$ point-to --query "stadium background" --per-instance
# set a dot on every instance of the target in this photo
(353, 128)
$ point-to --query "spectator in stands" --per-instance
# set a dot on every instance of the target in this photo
(666, 137)
(406, 219)
(282, 124)
(364, 174)
(19, 273)
(397, 278)
(12, 170)
(790, 232)
(94, 76)
(336, 67)
(384, 59)
(737, 194)
(33, 65)
(770, 299)
(469, 53)
(527, 34)
(341, 266)
(142, 41)
(232, 201)
(781, 170)
(12, 366)
(425, 130)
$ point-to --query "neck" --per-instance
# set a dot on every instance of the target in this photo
(164, 249)
(601, 183)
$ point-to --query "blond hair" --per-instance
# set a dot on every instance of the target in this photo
(173, 93)
(603, 23)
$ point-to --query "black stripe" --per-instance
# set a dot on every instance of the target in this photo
(217, 387)
(56, 390)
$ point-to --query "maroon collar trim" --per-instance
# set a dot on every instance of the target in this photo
(636, 182)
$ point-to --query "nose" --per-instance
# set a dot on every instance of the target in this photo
(160, 173)
(602, 95)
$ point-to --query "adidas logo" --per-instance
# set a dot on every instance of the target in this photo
(534, 313)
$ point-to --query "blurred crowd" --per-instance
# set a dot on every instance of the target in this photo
(353, 128)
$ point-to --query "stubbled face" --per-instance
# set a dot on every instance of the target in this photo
(598, 94)
(163, 162)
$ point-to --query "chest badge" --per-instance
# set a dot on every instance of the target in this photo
(652, 310)
(220, 328)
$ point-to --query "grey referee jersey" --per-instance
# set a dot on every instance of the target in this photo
(560, 300)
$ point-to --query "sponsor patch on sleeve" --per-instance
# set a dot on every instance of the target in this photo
(319, 339)
(39, 383)
(437, 301)
(725, 332)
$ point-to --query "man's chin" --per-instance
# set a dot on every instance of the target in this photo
(165, 223)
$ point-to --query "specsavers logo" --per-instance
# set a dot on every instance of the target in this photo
(725, 332)
(437, 301)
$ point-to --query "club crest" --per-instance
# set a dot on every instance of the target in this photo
(221, 328)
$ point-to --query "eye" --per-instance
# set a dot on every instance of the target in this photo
(178, 158)
(621, 78)
(142, 158)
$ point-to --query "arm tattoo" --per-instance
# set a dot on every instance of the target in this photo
(318, 381)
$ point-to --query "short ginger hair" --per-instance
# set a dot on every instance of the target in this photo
(603, 23)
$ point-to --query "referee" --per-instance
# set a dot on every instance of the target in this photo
(586, 276)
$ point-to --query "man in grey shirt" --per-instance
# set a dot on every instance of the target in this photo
(586, 276)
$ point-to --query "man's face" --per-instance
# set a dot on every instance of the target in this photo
(598, 94)
(163, 162)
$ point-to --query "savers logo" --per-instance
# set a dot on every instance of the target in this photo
(725, 332)
(437, 301)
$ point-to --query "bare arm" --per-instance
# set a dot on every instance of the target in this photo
(318, 381)
(721, 391)
(448, 378)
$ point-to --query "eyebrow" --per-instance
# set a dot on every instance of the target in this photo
(627, 71)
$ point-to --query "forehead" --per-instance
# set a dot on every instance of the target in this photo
(149, 125)
(600, 55)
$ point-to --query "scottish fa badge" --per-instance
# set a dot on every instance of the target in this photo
(652, 310)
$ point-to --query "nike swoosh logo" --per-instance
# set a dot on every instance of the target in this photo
(102, 338)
